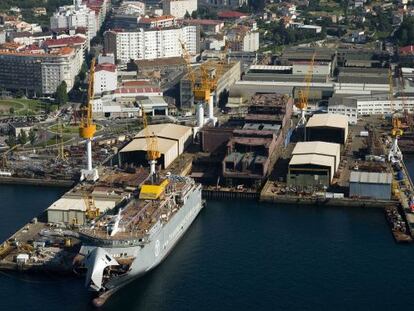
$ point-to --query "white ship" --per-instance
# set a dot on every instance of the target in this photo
(121, 247)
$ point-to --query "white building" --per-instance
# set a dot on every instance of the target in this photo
(179, 8)
(365, 105)
(243, 39)
(105, 78)
(225, 4)
(151, 43)
(75, 16)
(318, 68)
(123, 102)
(106, 58)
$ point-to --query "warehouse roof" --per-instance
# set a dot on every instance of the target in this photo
(317, 147)
(328, 120)
(140, 144)
(168, 130)
(313, 159)
(370, 177)
(78, 204)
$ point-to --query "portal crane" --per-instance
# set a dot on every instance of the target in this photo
(87, 128)
(302, 105)
(202, 91)
(394, 154)
(153, 154)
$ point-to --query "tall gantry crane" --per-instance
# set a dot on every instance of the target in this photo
(302, 104)
(87, 128)
(153, 154)
(394, 154)
(202, 91)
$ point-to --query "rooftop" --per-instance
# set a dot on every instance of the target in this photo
(75, 40)
(317, 147)
(313, 159)
(328, 120)
(105, 67)
(140, 144)
(370, 177)
(166, 130)
(231, 14)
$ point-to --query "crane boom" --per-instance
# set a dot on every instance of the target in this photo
(394, 154)
(304, 93)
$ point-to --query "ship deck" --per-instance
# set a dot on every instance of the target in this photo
(139, 216)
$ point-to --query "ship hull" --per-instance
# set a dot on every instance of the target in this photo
(156, 250)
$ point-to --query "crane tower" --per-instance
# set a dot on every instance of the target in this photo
(302, 105)
(395, 154)
(87, 129)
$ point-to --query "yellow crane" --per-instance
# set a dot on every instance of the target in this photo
(394, 154)
(153, 154)
(92, 211)
(202, 91)
(61, 149)
(302, 104)
(152, 190)
(87, 128)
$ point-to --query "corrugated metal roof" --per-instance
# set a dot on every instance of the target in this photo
(169, 130)
(329, 120)
(269, 67)
(78, 204)
(314, 159)
(317, 147)
(140, 144)
(370, 177)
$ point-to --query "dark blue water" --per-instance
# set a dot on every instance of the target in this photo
(240, 256)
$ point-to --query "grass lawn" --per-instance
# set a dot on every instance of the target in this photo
(22, 106)
(56, 139)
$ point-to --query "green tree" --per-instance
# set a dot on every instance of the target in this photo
(22, 137)
(187, 15)
(62, 94)
(11, 110)
(194, 15)
(83, 72)
(32, 136)
(11, 140)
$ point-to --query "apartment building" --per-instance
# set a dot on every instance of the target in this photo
(179, 8)
(39, 72)
(71, 17)
(152, 43)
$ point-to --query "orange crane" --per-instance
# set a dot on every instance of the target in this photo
(91, 210)
(202, 91)
(154, 189)
(394, 154)
(302, 104)
(153, 154)
(87, 128)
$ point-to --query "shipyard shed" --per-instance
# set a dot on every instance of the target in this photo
(136, 152)
(179, 133)
(370, 185)
(327, 127)
(172, 139)
(71, 210)
(313, 164)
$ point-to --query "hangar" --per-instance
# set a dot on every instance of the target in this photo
(172, 140)
(313, 164)
(327, 127)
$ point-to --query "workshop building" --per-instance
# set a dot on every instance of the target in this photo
(313, 164)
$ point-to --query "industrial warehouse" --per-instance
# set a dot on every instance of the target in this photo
(172, 140)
